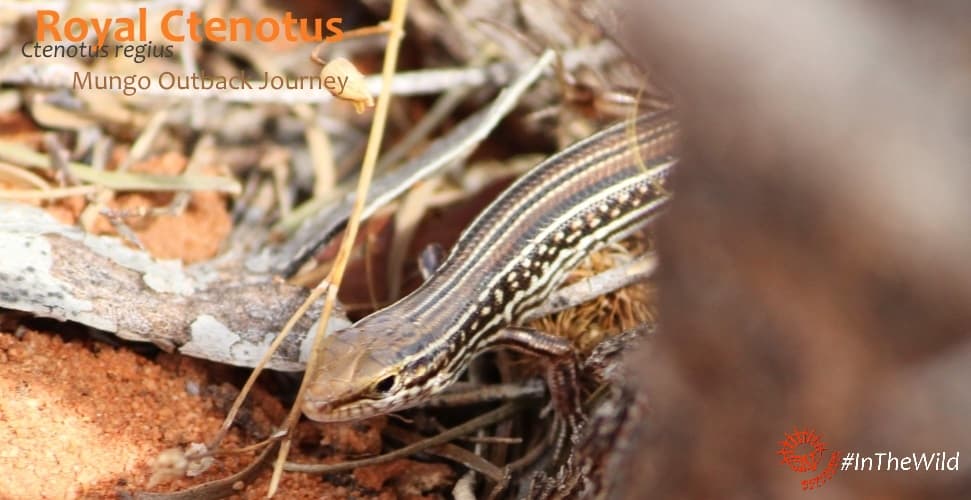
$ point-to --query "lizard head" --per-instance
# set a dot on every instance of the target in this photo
(365, 371)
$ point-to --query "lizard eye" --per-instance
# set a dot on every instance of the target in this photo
(385, 384)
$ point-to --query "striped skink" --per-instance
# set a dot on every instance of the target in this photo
(504, 264)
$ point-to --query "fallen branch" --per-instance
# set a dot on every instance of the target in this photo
(60, 272)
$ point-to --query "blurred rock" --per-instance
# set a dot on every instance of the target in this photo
(814, 263)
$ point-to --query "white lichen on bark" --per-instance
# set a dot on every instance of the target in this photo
(229, 316)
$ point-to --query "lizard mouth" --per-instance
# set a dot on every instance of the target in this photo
(336, 411)
(325, 412)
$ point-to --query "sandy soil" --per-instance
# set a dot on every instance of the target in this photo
(81, 419)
